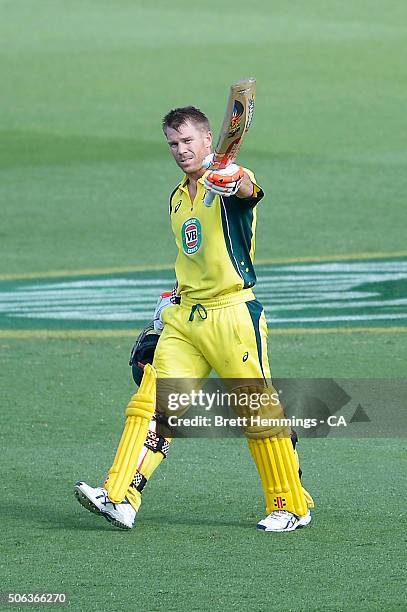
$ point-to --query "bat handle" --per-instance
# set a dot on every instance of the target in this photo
(209, 198)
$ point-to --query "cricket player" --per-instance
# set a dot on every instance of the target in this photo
(213, 322)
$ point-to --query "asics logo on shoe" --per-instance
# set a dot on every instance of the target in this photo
(106, 500)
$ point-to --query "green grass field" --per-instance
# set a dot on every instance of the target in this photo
(84, 182)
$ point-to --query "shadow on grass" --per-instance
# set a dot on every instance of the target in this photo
(197, 521)
(68, 516)
(71, 515)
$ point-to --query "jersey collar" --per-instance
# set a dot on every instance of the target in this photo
(183, 184)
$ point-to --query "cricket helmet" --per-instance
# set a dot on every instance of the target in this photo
(143, 351)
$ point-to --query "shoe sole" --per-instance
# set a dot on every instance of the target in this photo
(303, 522)
(87, 503)
(114, 521)
(84, 500)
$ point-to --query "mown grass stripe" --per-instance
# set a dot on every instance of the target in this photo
(158, 267)
(125, 333)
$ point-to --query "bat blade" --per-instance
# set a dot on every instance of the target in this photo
(236, 123)
(238, 118)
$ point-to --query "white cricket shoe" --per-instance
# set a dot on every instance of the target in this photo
(282, 520)
(97, 500)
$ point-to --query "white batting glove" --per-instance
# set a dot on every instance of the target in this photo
(207, 162)
(163, 302)
(225, 182)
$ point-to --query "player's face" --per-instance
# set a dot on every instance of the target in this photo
(189, 145)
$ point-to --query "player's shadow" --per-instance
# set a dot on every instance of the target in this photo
(70, 516)
(197, 521)
(67, 516)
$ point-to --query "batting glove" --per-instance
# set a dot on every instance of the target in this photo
(207, 162)
(164, 301)
(225, 182)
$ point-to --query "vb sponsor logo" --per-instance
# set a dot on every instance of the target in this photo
(191, 236)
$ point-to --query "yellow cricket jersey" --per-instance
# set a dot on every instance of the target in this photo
(215, 245)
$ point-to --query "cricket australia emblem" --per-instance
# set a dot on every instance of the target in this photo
(191, 233)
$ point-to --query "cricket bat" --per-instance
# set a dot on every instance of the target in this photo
(237, 120)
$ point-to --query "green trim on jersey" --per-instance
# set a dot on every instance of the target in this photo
(255, 309)
(238, 216)
(174, 191)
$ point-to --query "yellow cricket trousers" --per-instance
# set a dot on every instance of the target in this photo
(227, 334)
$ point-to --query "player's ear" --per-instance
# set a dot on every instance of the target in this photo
(208, 139)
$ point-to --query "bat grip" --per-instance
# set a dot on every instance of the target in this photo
(209, 198)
